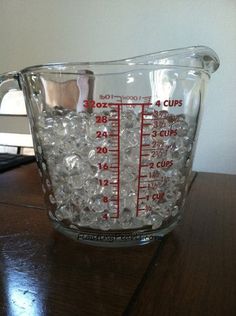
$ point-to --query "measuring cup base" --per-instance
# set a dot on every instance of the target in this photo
(116, 238)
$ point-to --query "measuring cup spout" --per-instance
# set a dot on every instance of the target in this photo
(196, 57)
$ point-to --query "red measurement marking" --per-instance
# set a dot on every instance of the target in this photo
(105, 217)
(118, 180)
(143, 187)
(140, 160)
(143, 176)
(149, 119)
(145, 181)
(115, 153)
(142, 198)
(146, 145)
(149, 149)
(144, 155)
(101, 119)
(147, 134)
(121, 103)
(144, 165)
(147, 124)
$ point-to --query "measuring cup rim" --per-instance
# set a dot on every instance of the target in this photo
(193, 57)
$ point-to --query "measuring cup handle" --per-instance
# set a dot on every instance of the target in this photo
(9, 81)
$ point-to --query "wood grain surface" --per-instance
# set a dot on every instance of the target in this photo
(22, 186)
(191, 272)
(195, 273)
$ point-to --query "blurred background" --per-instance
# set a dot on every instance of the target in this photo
(35, 32)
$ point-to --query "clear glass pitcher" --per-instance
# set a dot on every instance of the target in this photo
(114, 141)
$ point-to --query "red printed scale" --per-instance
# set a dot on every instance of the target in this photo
(114, 150)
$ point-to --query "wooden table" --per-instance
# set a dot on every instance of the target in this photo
(191, 272)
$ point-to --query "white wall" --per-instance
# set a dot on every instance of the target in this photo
(33, 32)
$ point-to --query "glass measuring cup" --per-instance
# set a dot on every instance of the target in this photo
(114, 141)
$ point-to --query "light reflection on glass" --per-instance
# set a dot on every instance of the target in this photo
(161, 87)
(24, 298)
(130, 79)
